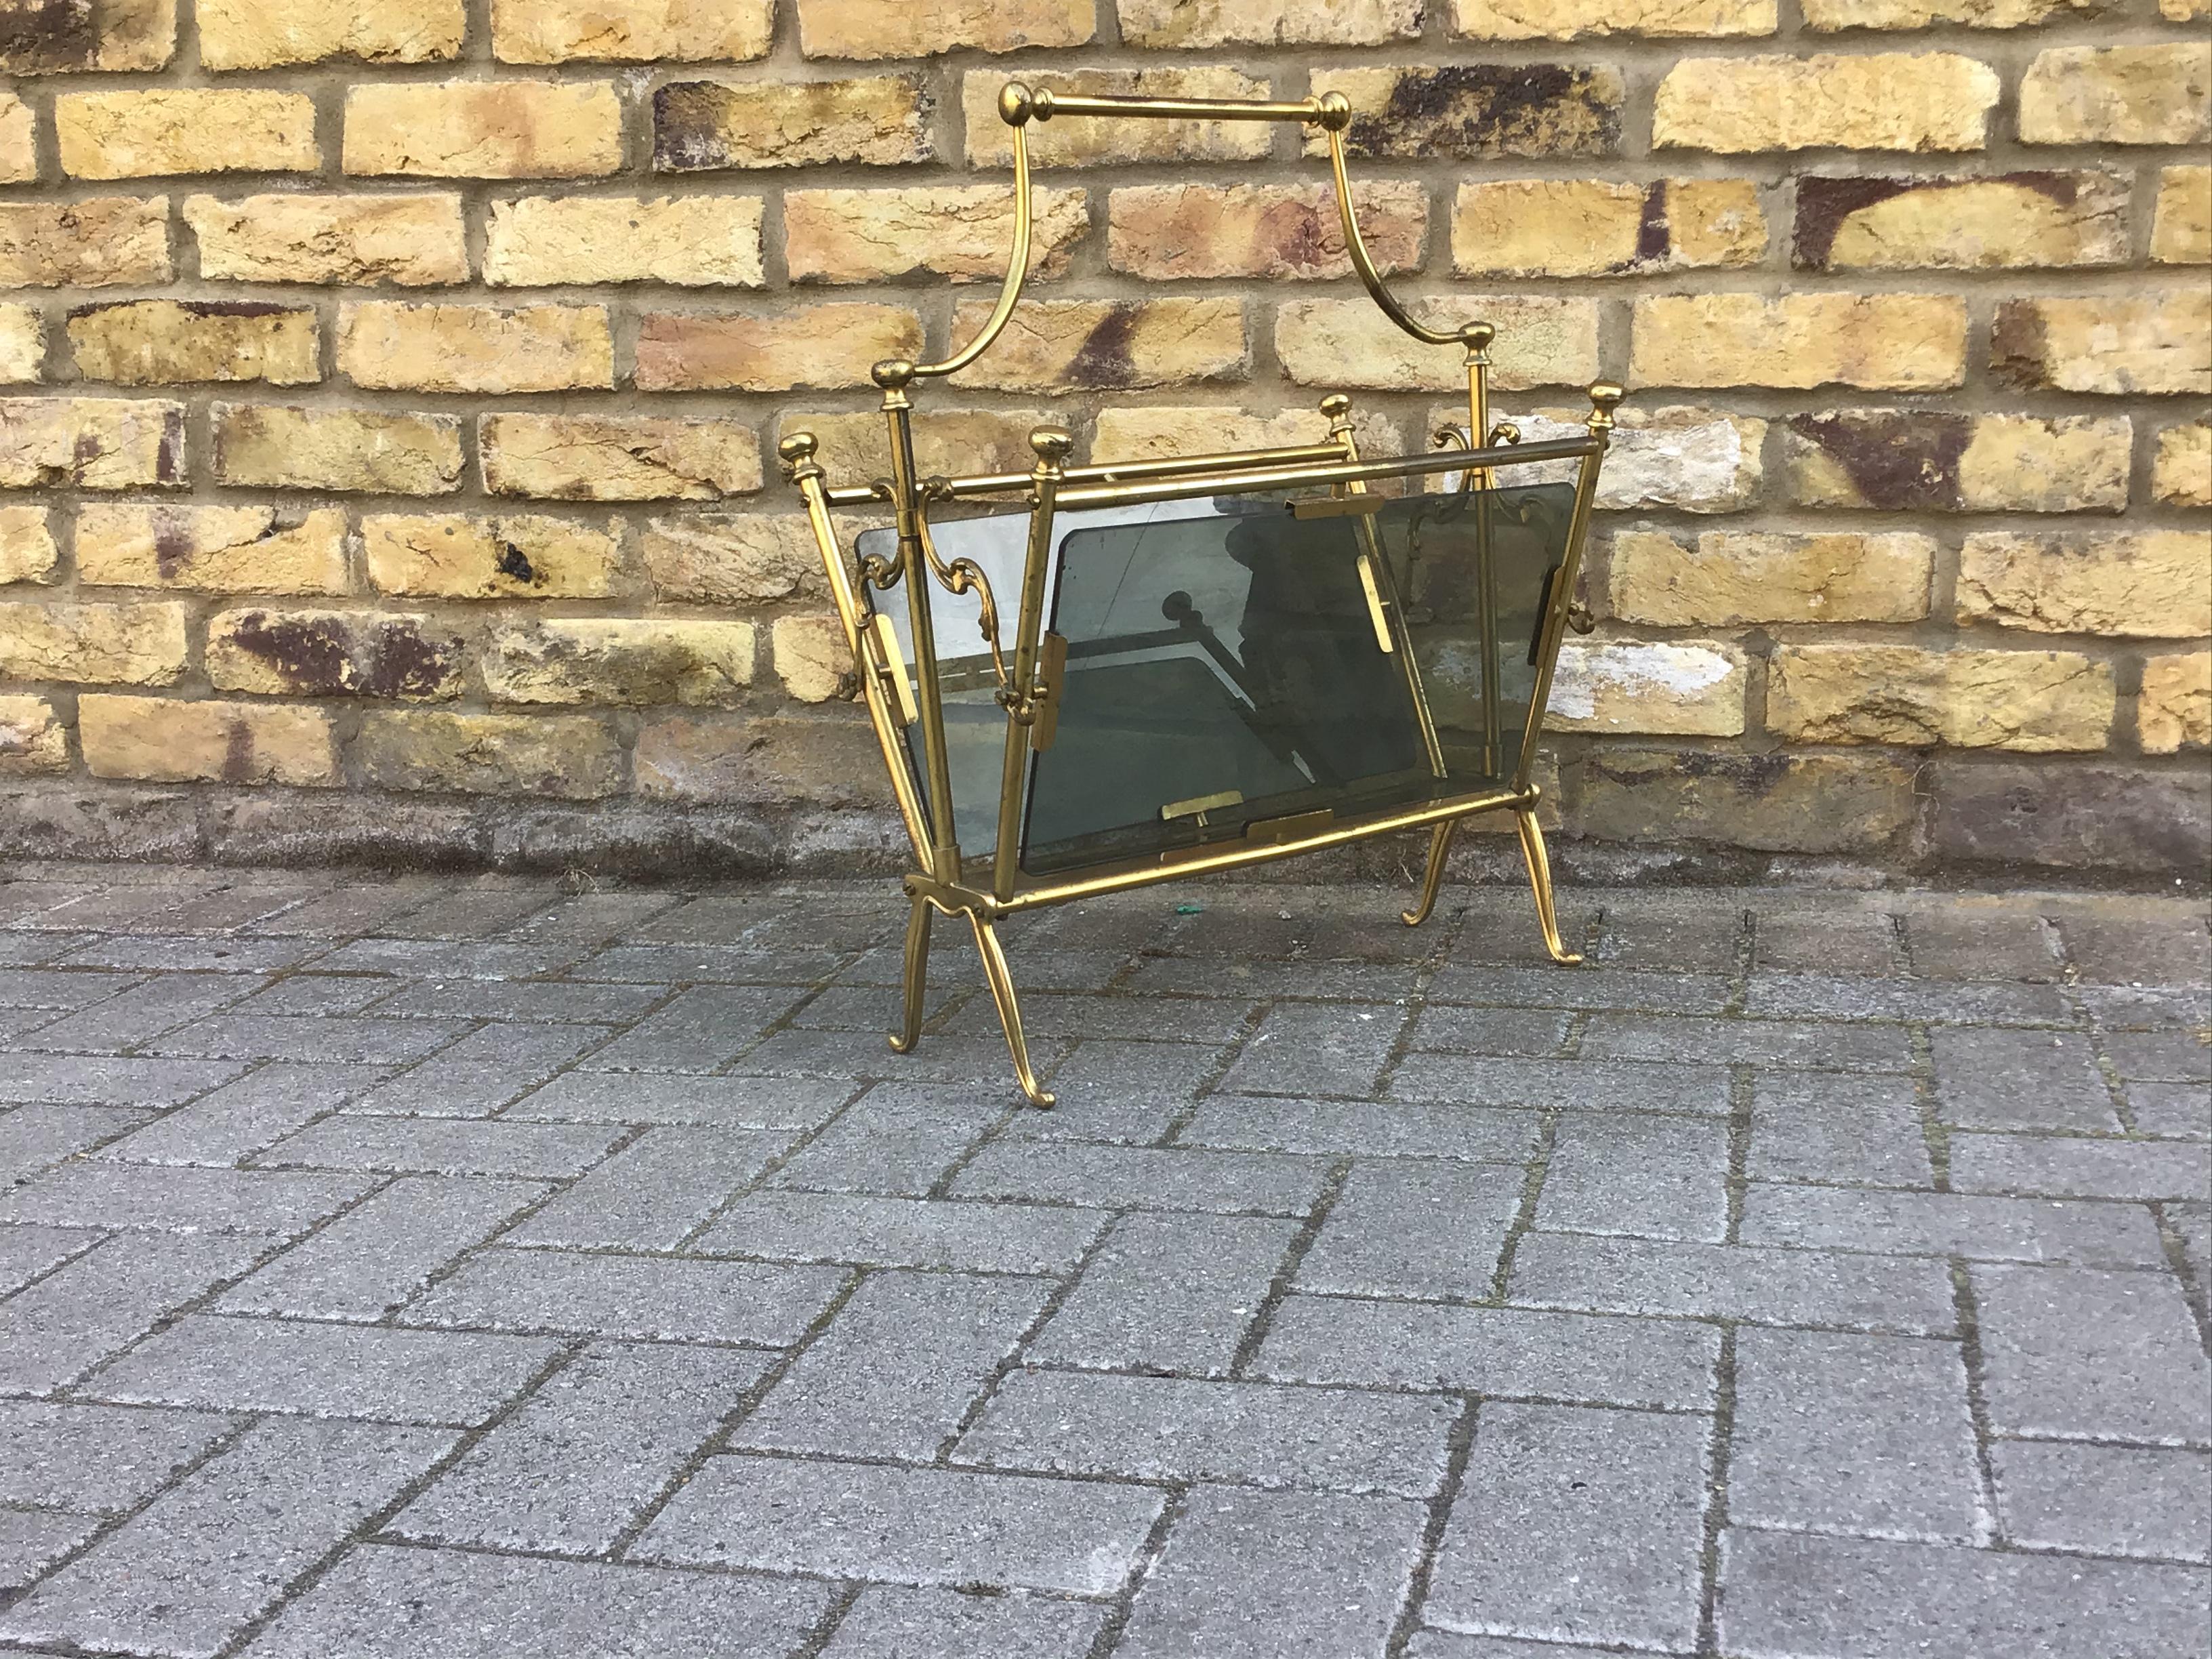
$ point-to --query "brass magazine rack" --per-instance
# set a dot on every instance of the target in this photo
(1200, 663)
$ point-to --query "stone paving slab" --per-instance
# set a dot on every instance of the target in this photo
(431, 1269)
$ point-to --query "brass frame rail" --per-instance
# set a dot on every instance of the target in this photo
(1029, 677)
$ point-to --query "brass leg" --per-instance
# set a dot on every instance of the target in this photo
(1009, 1012)
(1539, 878)
(917, 977)
(1440, 840)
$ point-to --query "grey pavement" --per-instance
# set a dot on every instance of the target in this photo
(439, 1268)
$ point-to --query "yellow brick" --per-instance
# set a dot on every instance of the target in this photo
(166, 342)
(353, 449)
(173, 741)
(1057, 345)
(19, 153)
(1830, 15)
(1569, 20)
(1593, 228)
(128, 135)
(120, 35)
(332, 653)
(730, 558)
(1150, 432)
(963, 233)
(1167, 233)
(92, 644)
(410, 241)
(691, 240)
(1696, 460)
(1692, 687)
(595, 660)
(1921, 461)
(2117, 95)
(1899, 342)
(1540, 342)
(2018, 219)
(950, 441)
(22, 345)
(461, 348)
(923, 29)
(2146, 584)
(2184, 11)
(236, 34)
(1738, 576)
(2181, 234)
(630, 31)
(811, 658)
(28, 553)
(32, 737)
(455, 555)
(1082, 142)
(90, 443)
(2149, 341)
(2036, 701)
(821, 345)
(227, 549)
(568, 757)
(1877, 101)
(95, 243)
(484, 129)
(2181, 470)
(878, 120)
(1467, 111)
(1182, 23)
(2174, 711)
(617, 458)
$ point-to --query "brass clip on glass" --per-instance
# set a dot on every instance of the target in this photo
(1134, 671)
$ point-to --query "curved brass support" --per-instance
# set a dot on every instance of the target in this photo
(1475, 336)
(1449, 437)
(916, 978)
(1440, 840)
(1009, 1011)
(962, 575)
(1540, 879)
(1015, 107)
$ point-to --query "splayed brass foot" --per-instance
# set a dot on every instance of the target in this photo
(1539, 879)
(916, 978)
(1440, 840)
(1009, 1012)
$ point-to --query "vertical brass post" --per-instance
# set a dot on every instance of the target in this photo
(797, 452)
(1051, 444)
(1604, 398)
(894, 374)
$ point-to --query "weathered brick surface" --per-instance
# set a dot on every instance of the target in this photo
(878, 120)
(164, 342)
(1894, 266)
(127, 135)
(172, 740)
(409, 239)
(1856, 223)
(98, 242)
(238, 549)
(92, 644)
(540, 240)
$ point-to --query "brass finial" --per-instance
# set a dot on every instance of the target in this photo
(1336, 406)
(1477, 337)
(1052, 444)
(1335, 112)
(1015, 104)
(796, 450)
(893, 373)
(1604, 397)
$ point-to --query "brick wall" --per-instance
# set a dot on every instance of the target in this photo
(382, 456)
